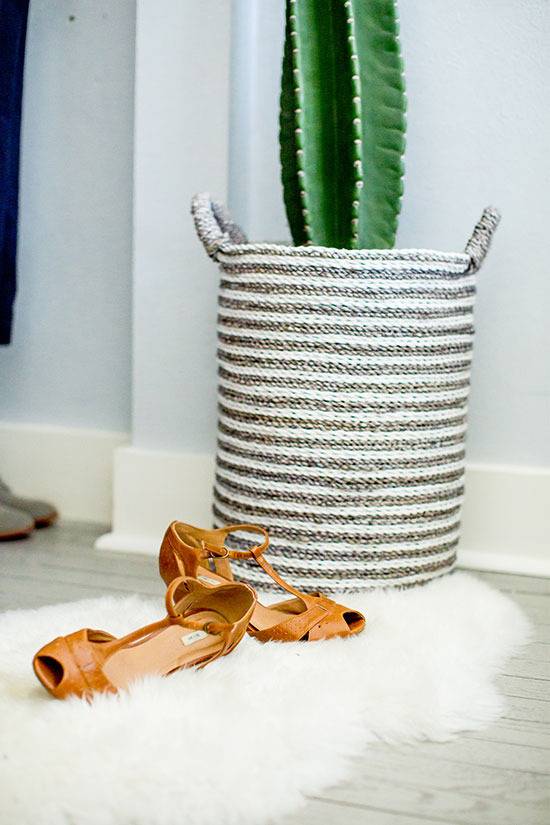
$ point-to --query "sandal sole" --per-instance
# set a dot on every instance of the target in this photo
(46, 521)
(20, 534)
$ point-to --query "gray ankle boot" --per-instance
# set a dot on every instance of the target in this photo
(41, 512)
(14, 524)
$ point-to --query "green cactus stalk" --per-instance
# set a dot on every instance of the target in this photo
(342, 123)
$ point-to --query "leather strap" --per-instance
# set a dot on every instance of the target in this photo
(255, 553)
(177, 610)
(319, 612)
(180, 611)
(226, 552)
(87, 660)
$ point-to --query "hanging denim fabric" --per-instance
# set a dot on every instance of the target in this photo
(13, 27)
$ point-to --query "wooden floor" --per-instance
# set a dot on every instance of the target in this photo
(500, 775)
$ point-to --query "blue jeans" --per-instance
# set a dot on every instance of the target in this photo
(13, 28)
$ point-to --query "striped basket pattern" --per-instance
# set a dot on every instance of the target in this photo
(343, 393)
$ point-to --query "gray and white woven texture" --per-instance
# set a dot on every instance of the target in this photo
(343, 393)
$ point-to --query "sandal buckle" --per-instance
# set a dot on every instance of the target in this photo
(214, 552)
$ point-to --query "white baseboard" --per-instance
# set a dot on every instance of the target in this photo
(151, 489)
(506, 520)
(506, 523)
(71, 467)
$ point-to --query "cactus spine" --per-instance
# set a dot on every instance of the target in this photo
(342, 122)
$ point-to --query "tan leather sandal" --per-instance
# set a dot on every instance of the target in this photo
(188, 550)
(202, 624)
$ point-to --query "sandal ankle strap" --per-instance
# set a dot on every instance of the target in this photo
(256, 553)
(215, 551)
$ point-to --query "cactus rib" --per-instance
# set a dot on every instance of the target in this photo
(342, 122)
(290, 167)
(323, 122)
(383, 120)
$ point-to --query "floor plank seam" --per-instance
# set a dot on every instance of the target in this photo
(361, 807)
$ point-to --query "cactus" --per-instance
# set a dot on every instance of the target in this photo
(342, 122)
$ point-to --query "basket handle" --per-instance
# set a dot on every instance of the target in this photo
(214, 225)
(480, 239)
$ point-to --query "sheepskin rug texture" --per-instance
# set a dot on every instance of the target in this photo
(243, 740)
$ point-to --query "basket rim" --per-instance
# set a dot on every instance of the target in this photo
(220, 235)
(405, 255)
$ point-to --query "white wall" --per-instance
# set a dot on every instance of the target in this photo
(182, 99)
(478, 79)
(70, 359)
(180, 147)
(255, 197)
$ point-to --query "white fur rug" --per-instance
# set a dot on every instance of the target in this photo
(243, 740)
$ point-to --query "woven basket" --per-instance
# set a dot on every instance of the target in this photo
(343, 392)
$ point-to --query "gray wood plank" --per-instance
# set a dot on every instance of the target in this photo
(328, 812)
(525, 687)
(519, 708)
(445, 804)
(511, 583)
(526, 667)
(536, 605)
(537, 651)
(23, 595)
(488, 754)
(515, 732)
(89, 578)
(420, 781)
(542, 635)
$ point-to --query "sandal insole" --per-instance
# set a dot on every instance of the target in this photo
(169, 649)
